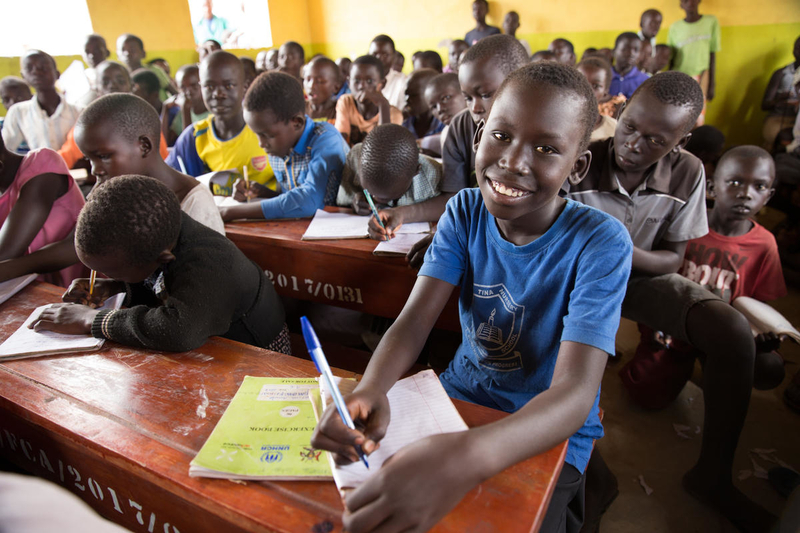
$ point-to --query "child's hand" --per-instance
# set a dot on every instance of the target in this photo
(369, 410)
(416, 256)
(416, 487)
(176, 100)
(256, 190)
(71, 319)
(767, 342)
(391, 219)
(376, 97)
(360, 204)
(78, 291)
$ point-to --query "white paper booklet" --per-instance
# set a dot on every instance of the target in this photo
(26, 342)
(419, 406)
(329, 226)
(13, 286)
(400, 245)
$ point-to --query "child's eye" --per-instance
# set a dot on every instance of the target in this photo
(500, 136)
(446, 97)
(762, 187)
(546, 150)
(734, 183)
(486, 96)
(467, 98)
(655, 142)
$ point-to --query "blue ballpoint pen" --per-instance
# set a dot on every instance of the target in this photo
(374, 209)
(315, 350)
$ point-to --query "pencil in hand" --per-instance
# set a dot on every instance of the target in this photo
(246, 183)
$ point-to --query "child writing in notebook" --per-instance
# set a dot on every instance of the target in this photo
(169, 266)
(307, 156)
(388, 164)
(366, 107)
(534, 345)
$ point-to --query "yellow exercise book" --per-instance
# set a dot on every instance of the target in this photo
(265, 433)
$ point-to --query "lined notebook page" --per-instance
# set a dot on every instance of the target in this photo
(26, 342)
(400, 245)
(13, 286)
(326, 225)
(420, 407)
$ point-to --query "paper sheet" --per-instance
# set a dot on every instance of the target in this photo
(327, 225)
(400, 245)
(26, 342)
(13, 286)
(420, 407)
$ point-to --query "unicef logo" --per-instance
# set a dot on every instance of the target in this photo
(272, 457)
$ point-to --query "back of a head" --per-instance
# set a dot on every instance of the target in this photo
(565, 79)
(278, 92)
(706, 142)
(505, 51)
(132, 218)
(130, 116)
(431, 59)
(542, 55)
(146, 79)
(389, 160)
(677, 89)
(373, 61)
(747, 152)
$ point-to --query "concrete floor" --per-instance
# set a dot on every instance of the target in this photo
(640, 442)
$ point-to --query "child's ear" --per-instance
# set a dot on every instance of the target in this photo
(580, 168)
(476, 139)
(145, 145)
(710, 191)
(299, 121)
(682, 143)
(166, 256)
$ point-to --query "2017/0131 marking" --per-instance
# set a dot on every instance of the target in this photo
(329, 291)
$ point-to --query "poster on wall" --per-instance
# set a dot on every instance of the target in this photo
(232, 23)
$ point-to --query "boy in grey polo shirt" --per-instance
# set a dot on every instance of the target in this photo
(642, 178)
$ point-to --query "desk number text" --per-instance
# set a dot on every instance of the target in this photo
(316, 288)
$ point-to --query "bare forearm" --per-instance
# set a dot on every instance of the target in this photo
(656, 262)
(47, 259)
(244, 211)
(386, 113)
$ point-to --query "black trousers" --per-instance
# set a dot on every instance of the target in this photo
(566, 511)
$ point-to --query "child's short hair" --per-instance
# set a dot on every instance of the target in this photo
(675, 88)
(508, 53)
(13, 82)
(132, 217)
(134, 38)
(707, 143)
(146, 79)
(295, 47)
(383, 39)
(328, 62)
(131, 116)
(389, 153)
(625, 35)
(598, 63)
(450, 79)
(431, 59)
(278, 92)
(565, 78)
(373, 61)
(543, 55)
(748, 151)
(34, 52)
(186, 69)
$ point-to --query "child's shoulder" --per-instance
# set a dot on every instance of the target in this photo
(203, 126)
(590, 223)
(43, 161)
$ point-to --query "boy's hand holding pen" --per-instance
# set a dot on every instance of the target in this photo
(81, 291)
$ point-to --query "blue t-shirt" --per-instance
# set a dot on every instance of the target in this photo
(518, 303)
(626, 84)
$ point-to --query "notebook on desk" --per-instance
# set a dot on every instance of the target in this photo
(13, 286)
(419, 407)
(333, 226)
(26, 342)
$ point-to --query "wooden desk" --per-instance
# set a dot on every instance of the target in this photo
(344, 273)
(120, 426)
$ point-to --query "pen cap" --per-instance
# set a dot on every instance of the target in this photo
(312, 342)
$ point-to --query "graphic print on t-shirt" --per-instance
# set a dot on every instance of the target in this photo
(499, 323)
(716, 270)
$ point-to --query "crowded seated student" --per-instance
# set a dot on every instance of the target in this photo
(182, 281)
(563, 50)
(399, 61)
(130, 50)
(222, 141)
(120, 134)
(389, 165)
(14, 90)
(626, 77)
(598, 73)
(547, 366)
(394, 86)
(189, 102)
(429, 59)
(207, 47)
(144, 84)
(445, 100)
(643, 178)
(291, 58)
(39, 205)
(322, 83)
(112, 77)
(738, 257)
(480, 8)
(250, 72)
(366, 107)
(420, 122)
(344, 64)
(510, 27)
(95, 51)
(454, 51)
(781, 100)
(43, 121)
(307, 156)
(649, 25)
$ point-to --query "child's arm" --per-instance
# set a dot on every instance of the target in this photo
(393, 217)
(342, 124)
(666, 259)
(36, 199)
(712, 69)
(50, 258)
(384, 107)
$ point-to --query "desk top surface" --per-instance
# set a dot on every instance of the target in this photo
(150, 412)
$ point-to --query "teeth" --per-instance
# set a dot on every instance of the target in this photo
(506, 191)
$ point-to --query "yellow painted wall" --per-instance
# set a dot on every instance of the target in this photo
(756, 38)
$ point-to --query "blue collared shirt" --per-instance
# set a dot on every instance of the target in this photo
(626, 84)
(309, 176)
(436, 126)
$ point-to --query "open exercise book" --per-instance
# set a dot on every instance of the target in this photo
(419, 406)
(763, 318)
(265, 433)
(332, 226)
(13, 286)
(26, 342)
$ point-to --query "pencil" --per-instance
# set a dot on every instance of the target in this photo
(246, 183)
(374, 210)
(92, 277)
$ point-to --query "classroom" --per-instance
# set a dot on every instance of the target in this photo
(486, 209)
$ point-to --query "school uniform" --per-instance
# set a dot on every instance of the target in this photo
(27, 122)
